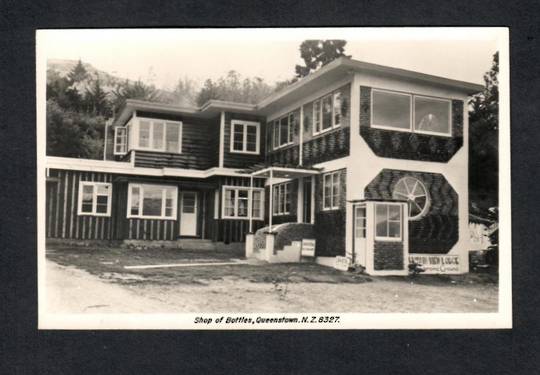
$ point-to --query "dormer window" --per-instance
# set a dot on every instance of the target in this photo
(245, 137)
(411, 113)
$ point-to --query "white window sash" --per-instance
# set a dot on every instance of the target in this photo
(245, 124)
(124, 144)
(412, 114)
(276, 135)
(330, 192)
(94, 198)
(163, 147)
(140, 214)
(235, 216)
(387, 238)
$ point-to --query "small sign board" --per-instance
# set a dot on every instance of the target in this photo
(308, 247)
(342, 263)
(436, 264)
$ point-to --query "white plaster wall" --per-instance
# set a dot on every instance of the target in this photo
(363, 165)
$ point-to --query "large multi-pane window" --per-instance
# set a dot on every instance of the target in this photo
(245, 137)
(237, 203)
(152, 201)
(283, 132)
(282, 196)
(388, 218)
(160, 135)
(94, 198)
(331, 190)
(399, 111)
(327, 112)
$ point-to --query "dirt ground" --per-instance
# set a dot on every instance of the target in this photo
(86, 280)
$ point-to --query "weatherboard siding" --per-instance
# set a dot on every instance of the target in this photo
(200, 138)
(239, 160)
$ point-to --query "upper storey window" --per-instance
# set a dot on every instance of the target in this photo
(327, 113)
(399, 111)
(283, 131)
(148, 134)
(245, 137)
(159, 135)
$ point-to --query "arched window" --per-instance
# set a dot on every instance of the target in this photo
(415, 193)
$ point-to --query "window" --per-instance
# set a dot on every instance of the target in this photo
(158, 135)
(391, 110)
(245, 137)
(327, 112)
(95, 198)
(284, 130)
(282, 199)
(152, 201)
(331, 187)
(360, 222)
(414, 191)
(237, 203)
(120, 140)
(387, 222)
(431, 115)
(337, 108)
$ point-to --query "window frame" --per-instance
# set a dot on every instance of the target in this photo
(412, 114)
(401, 222)
(332, 96)
(125, 138)
(448, 101)
(245, 124)
(94, 212)
(386, 127)
(281, 190)
(224, 189)
(140, 215)
(276, 131)
(331, 175)
(150, 147)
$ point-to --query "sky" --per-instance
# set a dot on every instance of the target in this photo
(162, 56)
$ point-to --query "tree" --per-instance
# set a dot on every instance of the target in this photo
(96, 100)
(78, 73)
(233, 88)
(185, 92)
(73, 134)
(136, 90)
(483, 141)
(317, 53)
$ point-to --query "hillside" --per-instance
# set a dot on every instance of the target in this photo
(62, 67)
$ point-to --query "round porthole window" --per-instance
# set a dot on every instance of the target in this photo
(416, 194)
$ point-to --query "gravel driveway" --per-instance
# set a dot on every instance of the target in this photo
(76, 283)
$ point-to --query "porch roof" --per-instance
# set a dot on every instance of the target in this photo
(281, 171)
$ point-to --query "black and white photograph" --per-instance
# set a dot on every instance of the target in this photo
(273, 178)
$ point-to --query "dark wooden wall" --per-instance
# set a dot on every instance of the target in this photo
(199, 140)
(61, 218)
(330, 145)
(236, 160)
(233, 230)
(330, 224)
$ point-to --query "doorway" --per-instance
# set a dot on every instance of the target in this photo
(188, 213)
(359, 234)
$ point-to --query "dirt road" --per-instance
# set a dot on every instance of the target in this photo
(70, 290)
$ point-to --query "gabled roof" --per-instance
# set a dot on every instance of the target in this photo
(338, 69)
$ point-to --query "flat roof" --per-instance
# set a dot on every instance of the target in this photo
(337, 70)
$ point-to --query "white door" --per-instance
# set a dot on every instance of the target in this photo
(188, 213)
(360, 234)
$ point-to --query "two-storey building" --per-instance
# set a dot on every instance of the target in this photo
(370, 161)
